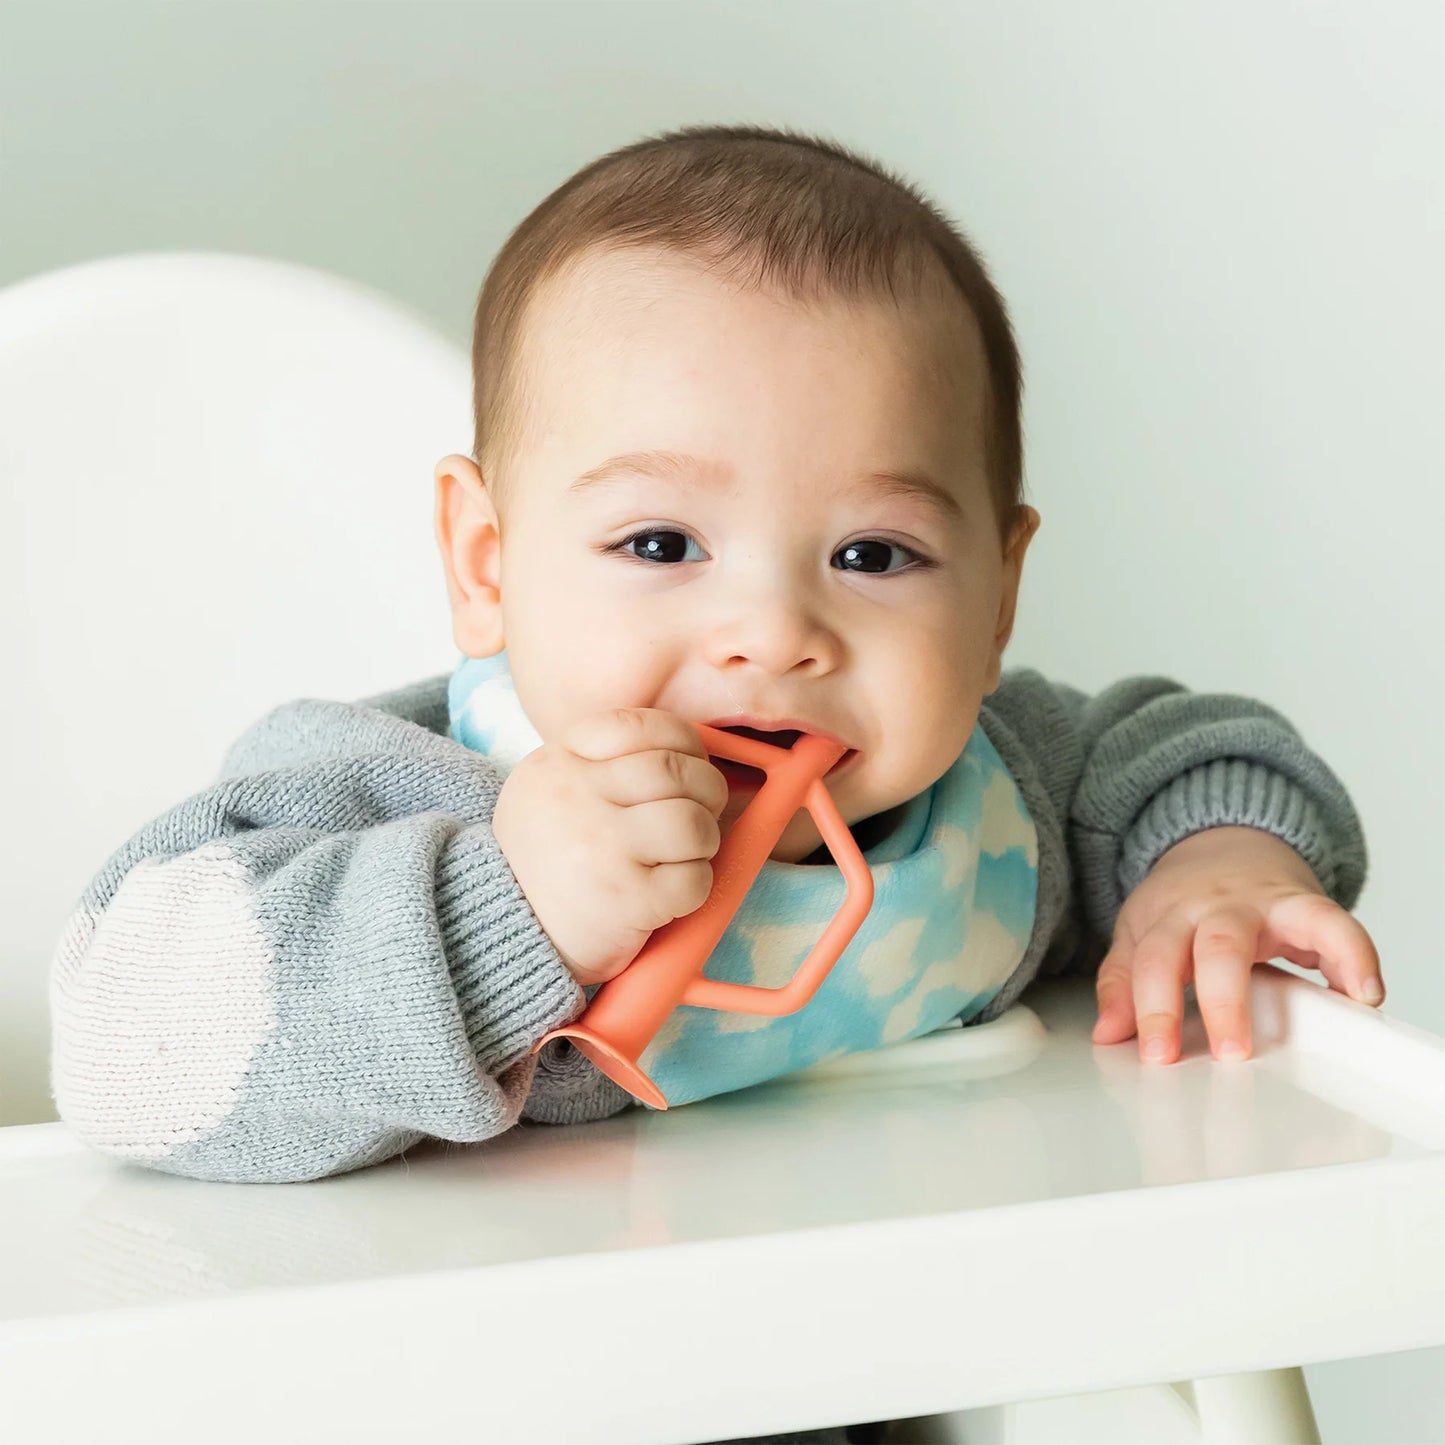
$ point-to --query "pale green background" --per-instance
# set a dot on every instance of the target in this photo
(1219, 227)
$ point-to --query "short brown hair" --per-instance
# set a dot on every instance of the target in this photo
(808, 215)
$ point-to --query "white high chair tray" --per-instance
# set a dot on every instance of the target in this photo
(983, 1215)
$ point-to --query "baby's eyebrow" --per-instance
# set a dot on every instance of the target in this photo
(692, 471)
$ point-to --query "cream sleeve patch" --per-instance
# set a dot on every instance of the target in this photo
(159, 1005)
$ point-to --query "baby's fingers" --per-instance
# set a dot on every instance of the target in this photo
(1226, 947)
(1115, 988)
(1161, 968)
(1314, 924)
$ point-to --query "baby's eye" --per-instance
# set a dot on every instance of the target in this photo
(658, 546)
(666, 546)
(871, 555)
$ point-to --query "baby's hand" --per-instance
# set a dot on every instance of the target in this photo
(610, 832)
(1213, 906)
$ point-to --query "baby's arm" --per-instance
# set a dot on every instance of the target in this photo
(314, 963)
(1115, 780)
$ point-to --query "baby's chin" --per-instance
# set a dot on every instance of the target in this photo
(800, 840)
(800, 851)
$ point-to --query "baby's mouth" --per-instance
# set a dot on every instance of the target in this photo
(785, 738)
(741, 775)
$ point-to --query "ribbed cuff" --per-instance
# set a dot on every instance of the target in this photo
(570, 1089)
(511, 984)
(1223, 793)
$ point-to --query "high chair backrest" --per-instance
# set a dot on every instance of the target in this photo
(215, 495)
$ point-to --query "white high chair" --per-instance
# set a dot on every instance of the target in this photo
(1001, 1234)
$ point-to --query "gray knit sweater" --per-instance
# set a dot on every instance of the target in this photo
(324, 957)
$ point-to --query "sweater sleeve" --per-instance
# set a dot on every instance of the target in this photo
(1115, 780)
(312, 964)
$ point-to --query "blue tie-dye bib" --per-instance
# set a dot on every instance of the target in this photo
(955, 883)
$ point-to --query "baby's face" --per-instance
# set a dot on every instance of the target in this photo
(759, 572)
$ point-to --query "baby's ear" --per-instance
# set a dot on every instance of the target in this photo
(470, 544)
(1024, 523)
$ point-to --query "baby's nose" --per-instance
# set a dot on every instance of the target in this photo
(776, 634)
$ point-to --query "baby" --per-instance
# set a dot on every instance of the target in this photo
(748, 454)
(748, 451)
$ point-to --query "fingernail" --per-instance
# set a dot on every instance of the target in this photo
(1156, 1049)
(1371, 991)
(1231, 1049)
